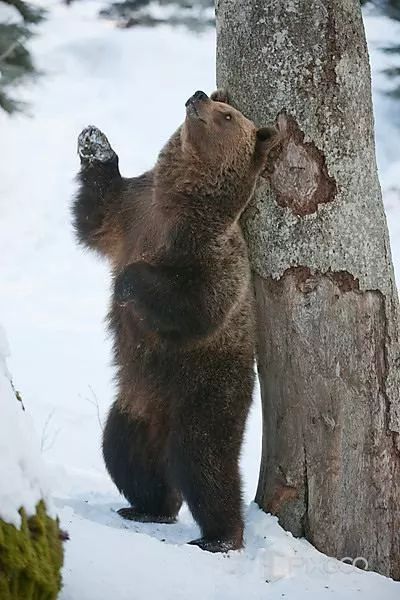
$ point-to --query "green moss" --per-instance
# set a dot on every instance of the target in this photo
(31, 558)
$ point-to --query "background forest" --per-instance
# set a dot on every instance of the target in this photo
(196, 15)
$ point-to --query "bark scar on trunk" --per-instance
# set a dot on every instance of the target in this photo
(382, 370)
(305, 523)
(297, 171)
(282, 495)
(307, 281)
(329, 404)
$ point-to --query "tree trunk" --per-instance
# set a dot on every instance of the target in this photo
(328, 344)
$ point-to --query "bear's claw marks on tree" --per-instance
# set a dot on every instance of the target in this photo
(93, 145)
(131, 514)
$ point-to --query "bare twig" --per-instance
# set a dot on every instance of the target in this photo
(46, 443)
(94, 401)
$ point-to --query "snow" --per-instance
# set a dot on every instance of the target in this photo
(22, 471)
(152, 563)
(132, 84)
(9, 14)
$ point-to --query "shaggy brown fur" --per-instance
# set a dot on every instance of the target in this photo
(182, 314)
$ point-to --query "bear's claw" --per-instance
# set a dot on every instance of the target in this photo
(93, 145)
(210, 545)
(133, 515)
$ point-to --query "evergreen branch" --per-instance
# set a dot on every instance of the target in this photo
(28, 13)
(9, 50)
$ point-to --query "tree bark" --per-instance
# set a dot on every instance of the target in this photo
(328, 343)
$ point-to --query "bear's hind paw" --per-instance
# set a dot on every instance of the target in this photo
(93, 145)
(217, 545)
(131, 514)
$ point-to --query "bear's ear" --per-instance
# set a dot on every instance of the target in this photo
(268, 135)
(267, 138)
(220, 96)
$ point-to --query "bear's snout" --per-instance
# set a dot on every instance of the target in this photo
(198, 96)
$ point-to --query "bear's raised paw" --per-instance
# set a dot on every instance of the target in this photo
(93, 145)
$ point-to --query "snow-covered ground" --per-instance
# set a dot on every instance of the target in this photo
(22, 469)
(132, 84)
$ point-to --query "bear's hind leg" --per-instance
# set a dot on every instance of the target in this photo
(135, 459)
(205, 449)
(210, 482)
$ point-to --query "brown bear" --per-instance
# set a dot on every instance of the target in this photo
(182, 314)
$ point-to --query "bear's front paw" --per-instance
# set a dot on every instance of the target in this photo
(94, 146)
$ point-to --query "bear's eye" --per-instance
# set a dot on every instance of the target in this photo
(228, 117)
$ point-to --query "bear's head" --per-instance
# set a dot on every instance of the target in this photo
(223, 138)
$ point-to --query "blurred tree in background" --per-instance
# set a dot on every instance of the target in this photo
(199, 14)
(390, 8)
(16, 20)
(193, 14)
(18, 17)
